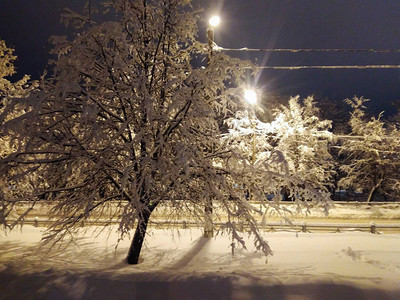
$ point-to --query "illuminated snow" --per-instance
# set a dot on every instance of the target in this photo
(183, 265)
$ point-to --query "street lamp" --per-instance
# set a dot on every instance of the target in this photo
(212, 23)
(251, 98)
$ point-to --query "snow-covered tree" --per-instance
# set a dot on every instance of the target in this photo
(304, 139)
(9, 90)
(127, 119)
(371, 154)
(293, 150)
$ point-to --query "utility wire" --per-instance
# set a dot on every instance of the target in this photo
(331, 67)
(217, 48)
(321, 134)
(306, 50)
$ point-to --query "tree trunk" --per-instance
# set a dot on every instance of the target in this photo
(374, 190)
(371, 194)
(285, 195)
(138, 238)
(208, 219)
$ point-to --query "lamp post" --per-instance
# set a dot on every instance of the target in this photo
(251, 98)
(212, 23)
(208, 209)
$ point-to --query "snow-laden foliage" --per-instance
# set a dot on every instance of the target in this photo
(9, 110)
(304, 139)
(291, 155)
(9, 90)
(371, 154)
(127, 118)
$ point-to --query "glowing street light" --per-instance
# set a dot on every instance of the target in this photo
(250, 96)
(214, 21)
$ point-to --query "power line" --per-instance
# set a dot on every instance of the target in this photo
(217, 48)
(306, 50)
(321, 134)
(331, 67)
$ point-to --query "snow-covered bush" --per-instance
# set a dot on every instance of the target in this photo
(291, 154)
(371, 154)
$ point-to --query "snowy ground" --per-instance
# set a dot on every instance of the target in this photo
(183, 265)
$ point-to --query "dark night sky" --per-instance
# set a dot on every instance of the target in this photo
(26, 25)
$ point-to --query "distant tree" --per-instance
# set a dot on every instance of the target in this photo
(9, 90)
(7, 69)
(127, 119)
(304, 139)
(371, 154)
(338, 114)
(293, 150)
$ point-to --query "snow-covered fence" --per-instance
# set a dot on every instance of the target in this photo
(372, 227)
(305, 227)
(344, 216)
